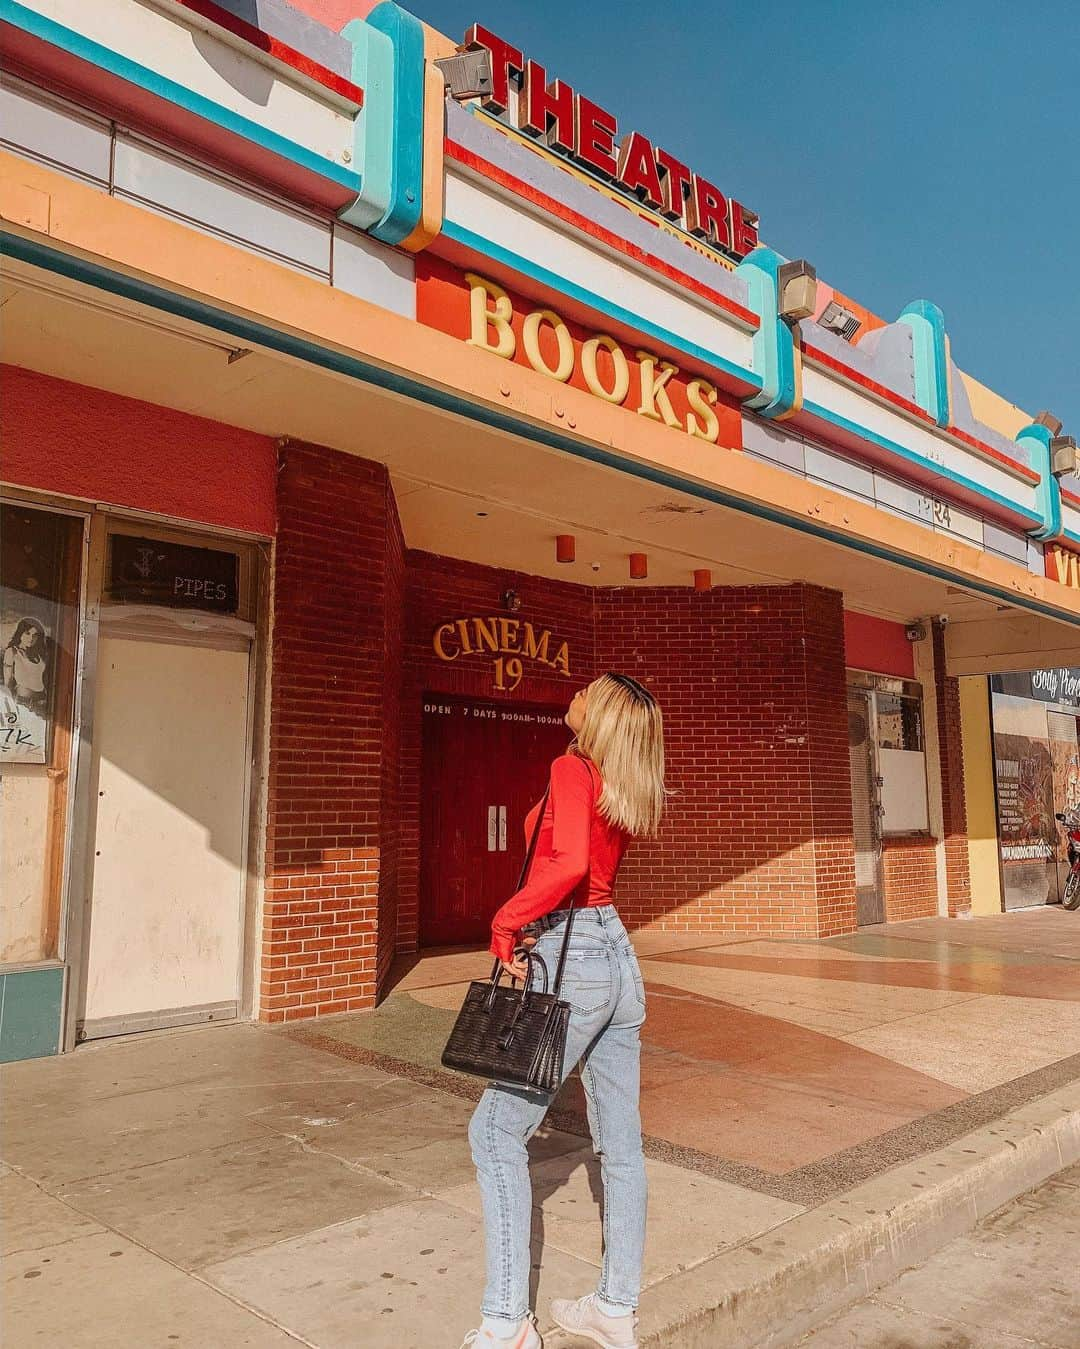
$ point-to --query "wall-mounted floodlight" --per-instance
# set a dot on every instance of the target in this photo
(796, 290)
(1053, 424)
(467, 74)
(836, 319)
(1063, 456)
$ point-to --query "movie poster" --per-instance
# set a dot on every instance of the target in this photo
(1026, 824)
(31, 580)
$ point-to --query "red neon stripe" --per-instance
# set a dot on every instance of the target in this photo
(280, 51)
(1071, 497)
(590, 227)
(889, 396)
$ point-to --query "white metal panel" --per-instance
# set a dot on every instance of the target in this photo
(822, 388)
(179, 188)
(241, 80)
(51, 129)
(171, 759)
(903, 790)
(491, 217)
(364, 267)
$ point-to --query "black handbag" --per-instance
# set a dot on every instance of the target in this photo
(515, 1038)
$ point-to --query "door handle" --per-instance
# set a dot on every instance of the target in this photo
(502, 828)
(492, 829)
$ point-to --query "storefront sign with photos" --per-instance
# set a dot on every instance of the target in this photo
(510, 643)
(577, 129)
(158, 571)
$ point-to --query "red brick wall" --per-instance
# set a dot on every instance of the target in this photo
(63, 437)
(757, 834)
(332, 733)
(437, 590)
(909, 870)
(954, 809)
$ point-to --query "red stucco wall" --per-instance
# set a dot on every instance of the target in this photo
(83, 442)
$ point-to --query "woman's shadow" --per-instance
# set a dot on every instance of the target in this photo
(559, 1164)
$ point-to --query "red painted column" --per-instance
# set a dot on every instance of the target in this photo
(331, 859)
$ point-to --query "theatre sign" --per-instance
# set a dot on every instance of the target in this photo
(579, 130)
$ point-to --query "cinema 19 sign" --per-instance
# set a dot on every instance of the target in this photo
(575, 127)
(511, 642)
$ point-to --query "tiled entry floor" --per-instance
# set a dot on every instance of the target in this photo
(799, 1068)
(242, 1186)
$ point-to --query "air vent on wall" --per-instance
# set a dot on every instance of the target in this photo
(839, 320)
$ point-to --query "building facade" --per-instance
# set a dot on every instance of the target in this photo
(350, 427)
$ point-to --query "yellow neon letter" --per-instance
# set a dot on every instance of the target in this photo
(497, 318)
(655, 402)
(618, 390)
(530, 340)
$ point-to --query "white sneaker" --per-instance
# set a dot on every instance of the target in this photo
(528, 1337)
(585, 1318)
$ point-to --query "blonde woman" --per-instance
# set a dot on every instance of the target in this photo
(608, 789)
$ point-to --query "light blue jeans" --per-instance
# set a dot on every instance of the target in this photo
(603, 986)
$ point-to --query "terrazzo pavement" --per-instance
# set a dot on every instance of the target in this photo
(253, 1186)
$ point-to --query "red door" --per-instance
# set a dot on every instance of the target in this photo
(484, 765)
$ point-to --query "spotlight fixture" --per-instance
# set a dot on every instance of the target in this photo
(1063, 458)
(1053, 424)
(836, 319)
(796, 290)
(467, 74)
(511, 601)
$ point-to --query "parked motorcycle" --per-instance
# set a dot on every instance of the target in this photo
(1070, 821)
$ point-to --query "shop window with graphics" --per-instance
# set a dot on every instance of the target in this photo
(900, 752)
(40, 557)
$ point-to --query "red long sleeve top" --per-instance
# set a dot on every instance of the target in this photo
(577, 853)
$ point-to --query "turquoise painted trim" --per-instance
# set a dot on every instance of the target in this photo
(30, 1006)
(406, 36)
(1036, 440)
(37, 25)
(388, 63)
(477, 244)
(674, 342)
(373, 130)
(930, 350)
(912, 457)
(258, 334)
(774, 343)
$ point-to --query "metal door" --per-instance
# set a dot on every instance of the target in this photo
(171, 773)
(865, 808)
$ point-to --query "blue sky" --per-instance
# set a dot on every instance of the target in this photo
(928, 149)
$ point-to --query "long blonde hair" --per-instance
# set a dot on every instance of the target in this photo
(623, 735)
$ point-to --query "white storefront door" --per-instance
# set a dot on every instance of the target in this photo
(171, 775)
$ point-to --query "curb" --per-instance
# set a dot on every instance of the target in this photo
(766, 1293)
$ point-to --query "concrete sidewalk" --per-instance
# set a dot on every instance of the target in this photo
(247, 1186)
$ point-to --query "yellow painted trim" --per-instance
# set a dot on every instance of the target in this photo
(40, 202)
(434, 171)
(976, 736)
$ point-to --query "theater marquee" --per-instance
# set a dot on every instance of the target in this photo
(578, 129)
